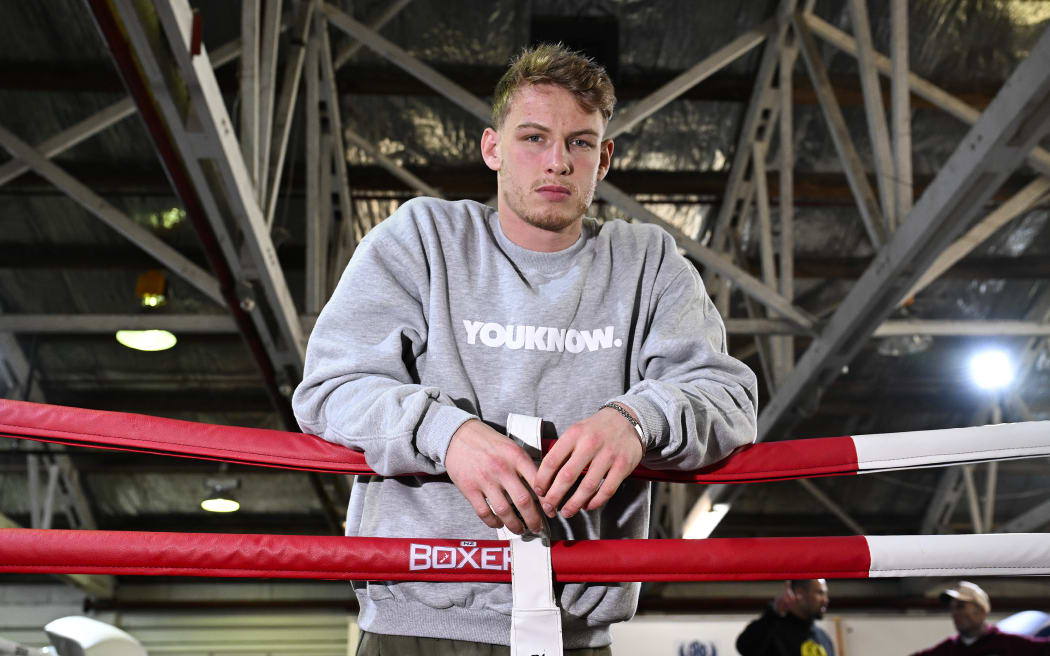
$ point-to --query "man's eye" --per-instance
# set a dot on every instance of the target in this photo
(581, 143)
(534, 138)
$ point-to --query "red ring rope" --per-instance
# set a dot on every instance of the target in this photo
(826, 456)
(420, 559)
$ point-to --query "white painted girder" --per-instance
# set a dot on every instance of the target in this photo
(177, 263)
(203, 134)
(1000, 140)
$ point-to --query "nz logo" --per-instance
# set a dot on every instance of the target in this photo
(697, 648)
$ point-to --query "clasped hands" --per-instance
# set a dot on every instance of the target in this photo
(495, 474)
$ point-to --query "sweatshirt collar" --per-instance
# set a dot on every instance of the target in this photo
(539, 261)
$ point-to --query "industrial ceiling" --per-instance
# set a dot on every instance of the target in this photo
(809, 157)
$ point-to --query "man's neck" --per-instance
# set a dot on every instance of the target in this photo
(533, 238)
(798, 614)
(970, 638)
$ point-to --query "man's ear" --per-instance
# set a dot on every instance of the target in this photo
(490, 149)
(605, 158)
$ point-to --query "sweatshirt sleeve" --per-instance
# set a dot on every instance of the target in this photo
(695, 402)
(360, 387)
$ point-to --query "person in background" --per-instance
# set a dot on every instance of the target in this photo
(969, 606)
(788, 627)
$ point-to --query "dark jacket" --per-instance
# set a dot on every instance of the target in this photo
(773, 635)
(993, 643)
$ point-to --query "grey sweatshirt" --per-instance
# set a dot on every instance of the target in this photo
(440, 318)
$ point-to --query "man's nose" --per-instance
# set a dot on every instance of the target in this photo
(558, 162)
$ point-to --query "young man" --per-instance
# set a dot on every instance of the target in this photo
(788, 628)
(451, 315)
(969, 605)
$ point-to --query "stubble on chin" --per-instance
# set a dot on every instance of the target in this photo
(553, 218)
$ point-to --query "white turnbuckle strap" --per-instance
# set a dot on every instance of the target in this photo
(535, 628)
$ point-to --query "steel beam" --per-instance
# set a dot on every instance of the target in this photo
(316, 226)
(1038, 158)
(900, 101)
(100, 120)
(111, 216)
(1019, 203)
(348, 51)
(346, 226)
(832, 506)
(71, 136)
(267, 80)
(992, 477)
(251, 18)
(961, 328)
(786, 157)
(716, 61)
(873, 220)
(201, 131)
(945, 499)
(773, 357)
(1006, 132)
(709, 258)
(1033, 519)
(395, 169)
(218, 324)
(971, 497)
(756, 114)
(293, 70)
(897, 327)
(874, 110)
(408, 63)
(64, 324)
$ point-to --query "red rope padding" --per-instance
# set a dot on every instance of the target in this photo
(826, 456)
(409, 559)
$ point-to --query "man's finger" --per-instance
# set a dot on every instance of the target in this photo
(477, 501)
(504, 510)
(588, 488)
(551, 463)
(522, 498)
(612, 481)
(567, 477)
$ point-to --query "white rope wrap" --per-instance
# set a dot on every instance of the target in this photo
(535, 626)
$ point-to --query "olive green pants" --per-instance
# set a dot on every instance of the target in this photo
(375, 644)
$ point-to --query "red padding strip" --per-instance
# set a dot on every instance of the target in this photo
(391, 559)
(772, 461)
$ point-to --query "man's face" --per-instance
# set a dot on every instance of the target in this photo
(549, 155)
(968, 617)
(813, 599)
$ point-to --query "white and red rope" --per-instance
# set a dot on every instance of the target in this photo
(419, 559)
(770, 461)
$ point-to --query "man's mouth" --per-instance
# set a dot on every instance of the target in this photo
(554, 192)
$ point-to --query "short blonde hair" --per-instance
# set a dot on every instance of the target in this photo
(553, 63)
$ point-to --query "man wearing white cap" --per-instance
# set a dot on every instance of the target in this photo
(969, 607)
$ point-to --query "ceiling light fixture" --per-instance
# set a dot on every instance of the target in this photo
(992, 369)
(147, 340)
(221, 498)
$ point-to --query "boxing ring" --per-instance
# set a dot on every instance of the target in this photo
(423, 559)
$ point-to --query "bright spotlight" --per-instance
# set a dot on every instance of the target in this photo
(146, 340)
(991, 369)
